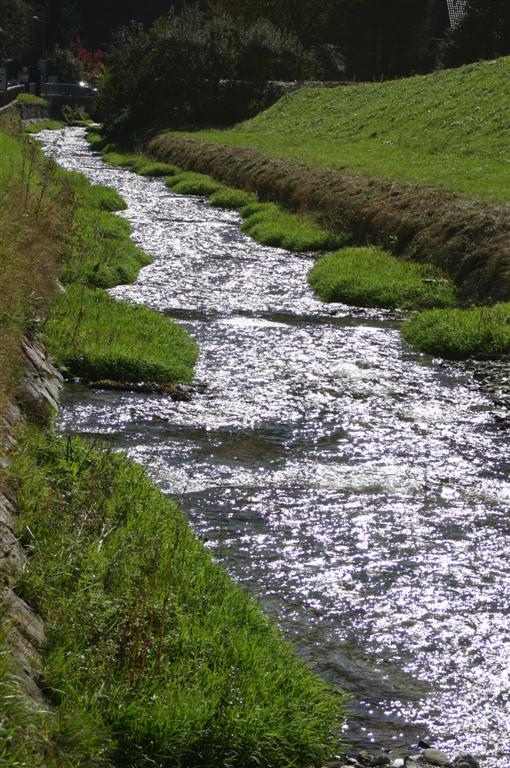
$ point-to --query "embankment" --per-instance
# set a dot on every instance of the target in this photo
(466, 238)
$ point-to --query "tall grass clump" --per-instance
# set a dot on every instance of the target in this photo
(370, 277)
(149, 640)
(91, 335)
(269, 224)
(461, 333)
(191, 183)
(140, 164)
(228, 197)
(43, 125)
(32, 100)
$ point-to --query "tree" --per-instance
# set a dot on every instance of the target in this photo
(173, 74)
(483, 33)
(15, 28)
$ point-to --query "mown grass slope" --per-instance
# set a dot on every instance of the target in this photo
(450, 129)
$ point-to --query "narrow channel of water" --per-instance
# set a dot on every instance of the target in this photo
(358, 489)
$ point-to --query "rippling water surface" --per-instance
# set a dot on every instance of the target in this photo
(359, 489)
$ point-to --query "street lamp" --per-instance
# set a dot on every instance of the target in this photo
(41, 21)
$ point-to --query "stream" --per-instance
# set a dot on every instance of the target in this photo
(359, 490)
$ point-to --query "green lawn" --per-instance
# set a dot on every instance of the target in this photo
(450, 129)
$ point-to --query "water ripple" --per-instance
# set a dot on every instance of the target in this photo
(359, 489)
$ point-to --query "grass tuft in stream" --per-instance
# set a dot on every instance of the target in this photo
(370, 277)
(191, 183)
(270, 225)
(461, 333)
(155, 655)
(140, 164)
(228, 197)
(95, 337)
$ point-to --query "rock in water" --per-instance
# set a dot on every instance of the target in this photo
(436, 757)
(466, 761)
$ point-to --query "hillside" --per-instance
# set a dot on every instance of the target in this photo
(450, 129)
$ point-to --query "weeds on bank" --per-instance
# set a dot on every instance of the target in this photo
(370, 277)
(43, 125)
(153, 649)
(32, 225)
(32, 99)
(91, 335)
(461, 333)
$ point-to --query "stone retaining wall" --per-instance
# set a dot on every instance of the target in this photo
(24, 630)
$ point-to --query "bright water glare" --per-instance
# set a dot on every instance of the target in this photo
(358, 489)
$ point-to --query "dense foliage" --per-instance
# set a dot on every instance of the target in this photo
(173, 74)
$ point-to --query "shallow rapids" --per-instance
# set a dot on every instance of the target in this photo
(358, 489)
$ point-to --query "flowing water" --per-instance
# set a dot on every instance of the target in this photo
(358, 489)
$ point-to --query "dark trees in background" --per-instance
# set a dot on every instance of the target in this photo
(173, 74)
(379, 39)
(484, 33)
(15, 29)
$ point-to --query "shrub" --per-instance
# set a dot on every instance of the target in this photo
(370, 277)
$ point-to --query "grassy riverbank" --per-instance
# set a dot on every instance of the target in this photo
(417, 166)
(360, 276)
(448, 129)
(31, 246)
(155, 656)
(267, 223)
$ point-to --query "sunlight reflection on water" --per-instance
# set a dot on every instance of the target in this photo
(358, 489)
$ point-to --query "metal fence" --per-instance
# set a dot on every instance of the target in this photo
(66, 90)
